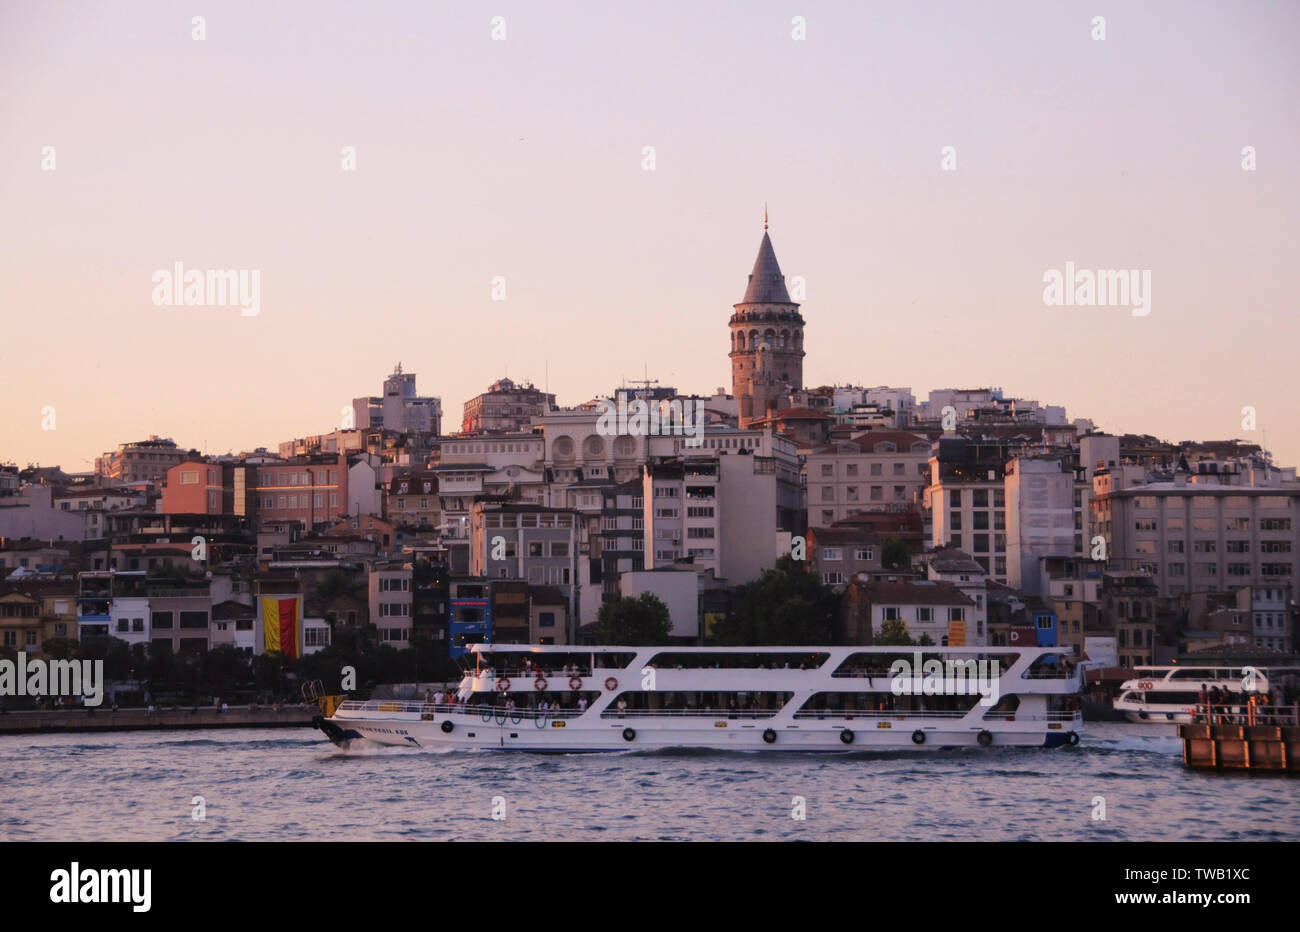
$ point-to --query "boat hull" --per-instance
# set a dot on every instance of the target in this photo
(542, 735)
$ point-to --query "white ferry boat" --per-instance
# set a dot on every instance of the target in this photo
(1171, 693)
(568, 699)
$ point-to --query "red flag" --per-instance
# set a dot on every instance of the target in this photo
(288, 626)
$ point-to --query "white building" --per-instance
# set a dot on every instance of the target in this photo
(677, 589)
(968, 577)
(1045, 514)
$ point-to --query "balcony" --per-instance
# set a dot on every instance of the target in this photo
(191, 593)
(93, 610)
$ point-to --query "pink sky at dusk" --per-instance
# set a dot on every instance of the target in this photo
(522, 158)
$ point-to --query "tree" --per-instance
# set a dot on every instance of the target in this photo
(168, 571)
(225, 666)
(114, 652)
(893, 631)
(60, 648)
(332, 584)
(785, 605)
(894, 554)
(643, 620)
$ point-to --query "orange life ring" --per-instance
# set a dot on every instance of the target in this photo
(575, 682)
(611, 684)
(503, 684)
(539, 684)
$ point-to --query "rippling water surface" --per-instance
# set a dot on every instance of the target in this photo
(293, 784)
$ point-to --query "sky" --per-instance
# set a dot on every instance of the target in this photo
(524, 158)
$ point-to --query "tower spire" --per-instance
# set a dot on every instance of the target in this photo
(765, 216)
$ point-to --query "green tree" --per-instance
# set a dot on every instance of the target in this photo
(643, 620)
(893, 631)
(168, 571)
(894, 554)
(224, 667)
(60, 648)
(332, 584)
(785, 605)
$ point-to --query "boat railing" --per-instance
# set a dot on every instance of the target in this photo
(445, 708)
(1060, 716)
(690, 713)
(880, 713)
(1049, 674)
(1245, 713)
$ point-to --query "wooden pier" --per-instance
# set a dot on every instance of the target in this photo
(1265, 739)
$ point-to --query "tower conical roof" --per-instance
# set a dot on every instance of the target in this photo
(766, 283)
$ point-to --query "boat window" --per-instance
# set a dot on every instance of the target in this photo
(700, 703)
(879, 664)
(691, 660)
(881, 704)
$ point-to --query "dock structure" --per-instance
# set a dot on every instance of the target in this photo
(1243, 737)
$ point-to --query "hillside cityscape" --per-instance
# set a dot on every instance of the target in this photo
(769, 513)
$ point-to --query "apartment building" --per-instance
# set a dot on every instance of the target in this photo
(870, 472)
(1215, 529)
(622, 536)
(179, 613)
(504, 465)
(21, 623)
(411, 500)
(1272, 609)
(505, 408)
(391, 602)
(469, 613)
(308, 490)
(399, 408)
(722, 513)
(840, 554)
(142, 461)
(521, 541)
(113, 603)
(1128, 603)
(528, 543)
(1046, 505)
(968, 508)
